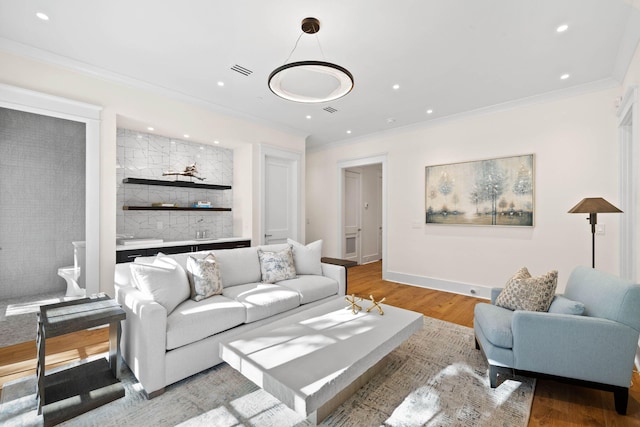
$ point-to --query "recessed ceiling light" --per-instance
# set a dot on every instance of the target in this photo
(42, 16)
(202, 148)
(564, 76)
(562, 28)
(172, 141)
(396, 86)
(308, 117)
(349, 131)
(216, 142)
(391, 120)
(429, 111)
(150, 128)
(220, 84)
(186, 135)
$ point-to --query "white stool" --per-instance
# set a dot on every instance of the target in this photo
(71, 274)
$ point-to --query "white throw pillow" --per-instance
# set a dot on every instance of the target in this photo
(165, 281)
(204, 277)
(307, 258)
(276, 266)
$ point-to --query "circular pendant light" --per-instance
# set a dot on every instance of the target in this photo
(310, 81)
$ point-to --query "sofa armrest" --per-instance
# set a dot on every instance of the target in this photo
(337, 273)
(586, 348)
(144, 335)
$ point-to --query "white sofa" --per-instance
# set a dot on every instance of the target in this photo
(162, 347)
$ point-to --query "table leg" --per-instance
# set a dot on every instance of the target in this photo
(115, 330)
(40, 368)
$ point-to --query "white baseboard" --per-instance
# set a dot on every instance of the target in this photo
(439, 284)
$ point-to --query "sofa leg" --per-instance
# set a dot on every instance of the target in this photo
(621, 397)
(477, 344)
(153, 394)
(493, 376)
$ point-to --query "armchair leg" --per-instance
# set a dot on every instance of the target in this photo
(477, 344)
(493, 376)
(621, 397)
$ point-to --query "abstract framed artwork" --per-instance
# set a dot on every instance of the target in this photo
(497, 192)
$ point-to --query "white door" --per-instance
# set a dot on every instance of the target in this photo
(352, 227)
(281, 220)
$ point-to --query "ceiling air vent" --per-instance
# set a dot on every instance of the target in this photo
(240, 69)
(330, 109)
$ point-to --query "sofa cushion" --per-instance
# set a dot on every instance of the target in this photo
(307, 258)
(204, 277)
(238, 266)
(263, 300)
(276, 265)
(311, 287)
(192, 321)
(564, 305)
(165, 281)
(523, 292)
(495, 323)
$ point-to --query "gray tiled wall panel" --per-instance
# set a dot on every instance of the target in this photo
(42, 200)
(143, 155)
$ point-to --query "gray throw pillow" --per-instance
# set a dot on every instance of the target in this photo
(204, 277)
(276, 266)
(523, 292)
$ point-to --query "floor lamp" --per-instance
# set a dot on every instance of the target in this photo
(593, 206)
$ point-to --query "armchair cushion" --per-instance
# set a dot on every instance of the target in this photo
(563, 305)
(523, 292)
(495, 323)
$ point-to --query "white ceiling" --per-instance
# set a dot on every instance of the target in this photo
(451, 56)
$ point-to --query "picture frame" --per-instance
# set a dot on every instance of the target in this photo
(491, 192)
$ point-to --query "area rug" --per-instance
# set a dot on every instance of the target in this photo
(436, 378)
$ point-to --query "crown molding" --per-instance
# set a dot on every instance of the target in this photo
(577, 90)
(46, 57)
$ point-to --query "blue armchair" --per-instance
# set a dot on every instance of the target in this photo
(595, 349)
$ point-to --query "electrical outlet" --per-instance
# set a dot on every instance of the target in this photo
(600, 229)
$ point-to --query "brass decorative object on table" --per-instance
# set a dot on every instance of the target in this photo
(355, 308)
(376, 304)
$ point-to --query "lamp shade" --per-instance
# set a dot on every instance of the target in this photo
(594, 205)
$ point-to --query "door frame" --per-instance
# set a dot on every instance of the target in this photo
(16, 98)
(629, 160)
(354, 163)
(297, 184)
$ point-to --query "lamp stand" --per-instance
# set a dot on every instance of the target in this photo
(593, 220)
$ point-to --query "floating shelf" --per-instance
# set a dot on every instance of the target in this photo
(175, 184)
(172, 208)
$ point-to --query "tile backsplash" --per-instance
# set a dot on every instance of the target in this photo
(143, 155)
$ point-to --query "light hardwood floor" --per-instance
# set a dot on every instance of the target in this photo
(554, 404)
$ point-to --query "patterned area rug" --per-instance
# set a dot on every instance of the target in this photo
(436, 378)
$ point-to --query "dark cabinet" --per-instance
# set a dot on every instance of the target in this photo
(130, 255)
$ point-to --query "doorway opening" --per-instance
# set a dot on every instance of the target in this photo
(362, 210)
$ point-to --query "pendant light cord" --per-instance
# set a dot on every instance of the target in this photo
(295, 46)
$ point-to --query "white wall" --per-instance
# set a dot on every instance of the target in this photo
(170, 116)
(574, 139)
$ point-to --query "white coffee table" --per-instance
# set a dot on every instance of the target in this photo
(313, 360)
